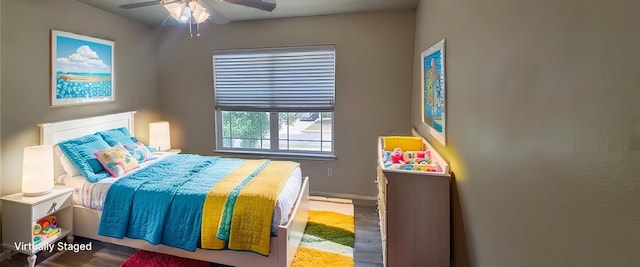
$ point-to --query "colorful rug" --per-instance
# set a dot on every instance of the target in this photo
(144, 258)
(329, 237)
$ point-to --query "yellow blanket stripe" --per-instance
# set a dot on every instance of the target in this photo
(216, 199)
(253, 212)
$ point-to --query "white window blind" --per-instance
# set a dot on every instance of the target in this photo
(275, 79)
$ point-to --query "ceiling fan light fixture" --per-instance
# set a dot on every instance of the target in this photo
(176, 9)
(200, 13)
(202, 17)
(185, 15)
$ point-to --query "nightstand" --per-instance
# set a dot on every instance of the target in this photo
(20, 215)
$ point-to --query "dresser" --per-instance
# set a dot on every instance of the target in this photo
(414, 212)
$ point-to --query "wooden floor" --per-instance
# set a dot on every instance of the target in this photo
(367, 248)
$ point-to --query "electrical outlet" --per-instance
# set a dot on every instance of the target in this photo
(329, 171)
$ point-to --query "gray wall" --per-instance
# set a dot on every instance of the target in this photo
(543, 129)
(373, 81)
(26, 26)
(0, 95)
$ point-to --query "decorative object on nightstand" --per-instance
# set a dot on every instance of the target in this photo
(160, 135)
(33, 224)
(37, 170)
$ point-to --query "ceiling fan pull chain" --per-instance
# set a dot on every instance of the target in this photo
(190, 33)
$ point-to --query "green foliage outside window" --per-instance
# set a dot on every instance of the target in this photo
(251, 127)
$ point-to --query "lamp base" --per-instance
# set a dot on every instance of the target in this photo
(36, 194)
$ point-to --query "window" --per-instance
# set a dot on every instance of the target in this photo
(277, 100)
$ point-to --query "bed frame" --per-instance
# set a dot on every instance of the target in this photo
(85, 220)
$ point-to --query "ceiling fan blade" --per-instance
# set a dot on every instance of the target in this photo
(259, 4)
(218, 18)
(214, 16)
(148, 3)
(141, 4)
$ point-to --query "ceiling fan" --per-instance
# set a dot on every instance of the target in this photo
(259, 4)
(195, 12)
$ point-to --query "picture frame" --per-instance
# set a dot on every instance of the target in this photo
(434, 91)
(82, 69)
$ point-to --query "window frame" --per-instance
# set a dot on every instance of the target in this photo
(273, 124)
(274, 114)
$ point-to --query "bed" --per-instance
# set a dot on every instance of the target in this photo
(284, 241)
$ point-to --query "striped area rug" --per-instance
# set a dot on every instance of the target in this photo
(329, 237)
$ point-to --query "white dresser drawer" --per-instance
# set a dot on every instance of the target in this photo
(51, 206)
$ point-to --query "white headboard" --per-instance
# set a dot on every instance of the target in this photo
(53, 132)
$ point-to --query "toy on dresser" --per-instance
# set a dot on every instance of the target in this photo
(409, 161)
(45, 228)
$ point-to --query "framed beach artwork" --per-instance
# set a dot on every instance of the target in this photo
(433, 91)
(81, 69)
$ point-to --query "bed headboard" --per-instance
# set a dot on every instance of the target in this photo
(53, 132)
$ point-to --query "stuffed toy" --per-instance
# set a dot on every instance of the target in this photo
(387, 154)
(397, 156)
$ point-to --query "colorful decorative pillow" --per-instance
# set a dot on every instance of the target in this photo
(119, 135)
(139, 151)
(116, 160)
(80, 150)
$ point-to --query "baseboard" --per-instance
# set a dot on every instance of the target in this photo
(357, 199)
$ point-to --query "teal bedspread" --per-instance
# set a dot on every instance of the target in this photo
(162, 203)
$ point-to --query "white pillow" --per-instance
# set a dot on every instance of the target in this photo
(61, 178)
(65, 162)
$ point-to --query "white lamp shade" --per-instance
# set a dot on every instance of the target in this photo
(176, 9)
(200, 13)
(159, 135)
(37, 170)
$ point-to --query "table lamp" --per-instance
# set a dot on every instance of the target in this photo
(37, 170)
(159, 135)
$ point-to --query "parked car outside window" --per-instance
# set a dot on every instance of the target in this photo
(308, 116)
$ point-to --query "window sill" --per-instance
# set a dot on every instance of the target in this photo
(278, 155)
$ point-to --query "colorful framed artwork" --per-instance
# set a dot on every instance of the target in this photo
(433, 91)
(81, 69)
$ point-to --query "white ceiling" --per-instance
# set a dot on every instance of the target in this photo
(156, 15)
